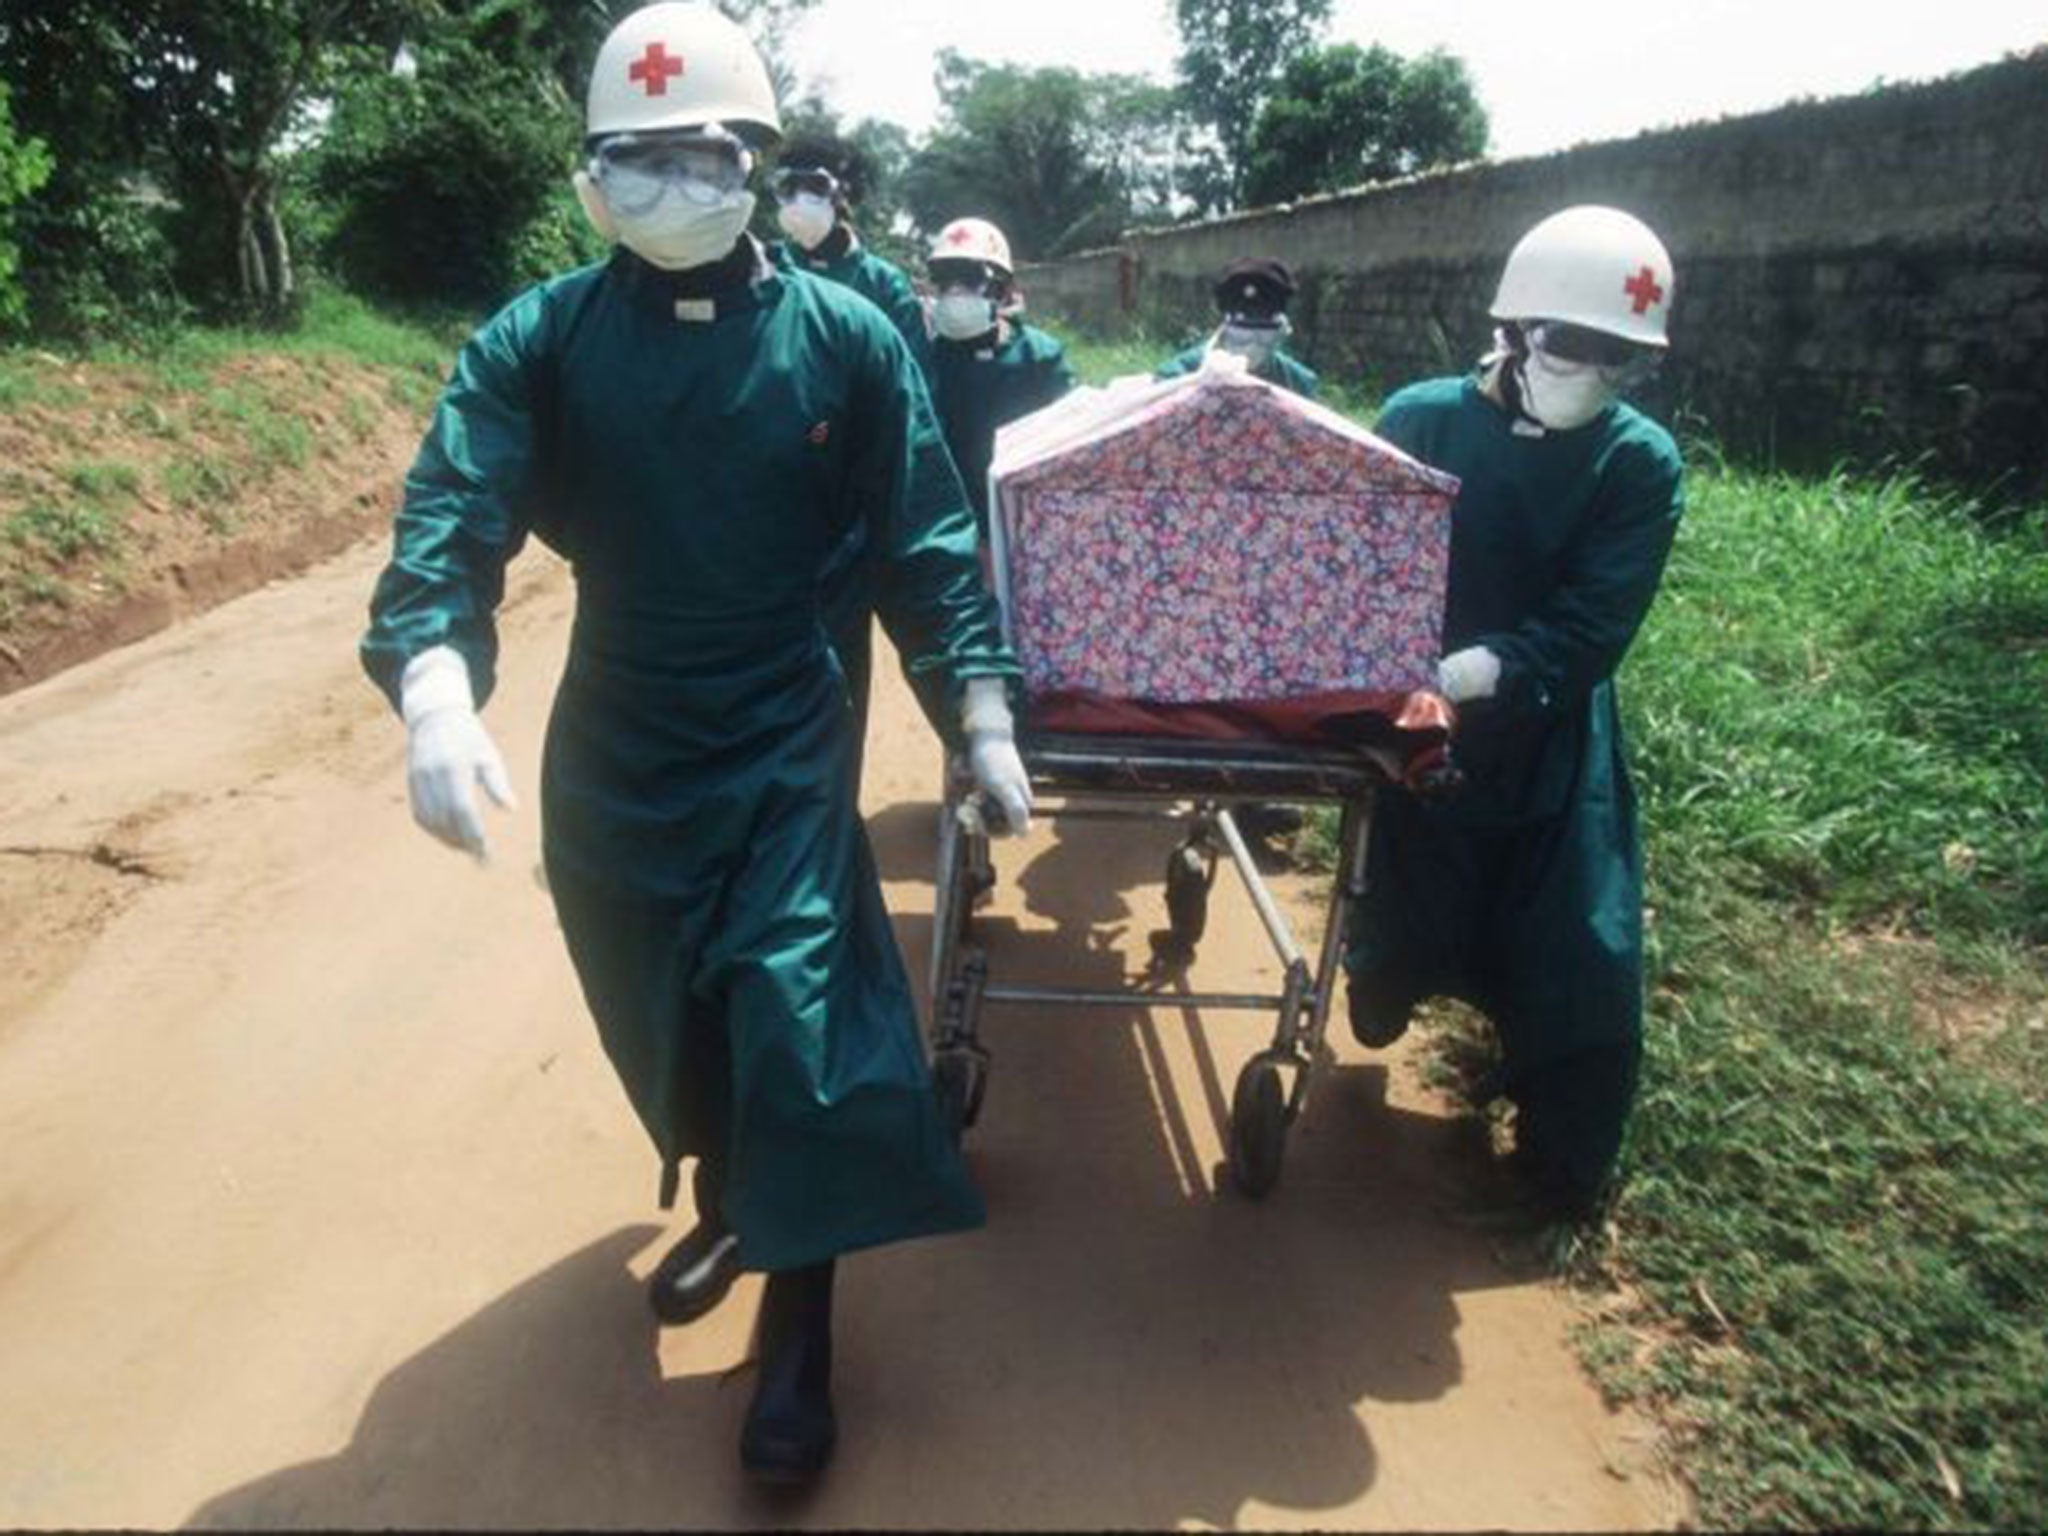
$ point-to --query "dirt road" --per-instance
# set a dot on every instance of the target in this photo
(319, 1206)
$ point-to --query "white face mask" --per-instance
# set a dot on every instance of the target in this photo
(1563, 395)
(678, 232)
(963, 316)
(807, 219)
(1256, 344)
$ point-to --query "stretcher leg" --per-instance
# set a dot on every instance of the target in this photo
(959, 970)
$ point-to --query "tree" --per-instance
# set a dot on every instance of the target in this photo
(24, 166)
(448, 183)
(199, 96)
(1058, 159)
(1232, 53)
(1345, 115)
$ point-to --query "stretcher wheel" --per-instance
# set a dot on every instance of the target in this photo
(1188, 878)
(1258, 1127)
(959, 1079)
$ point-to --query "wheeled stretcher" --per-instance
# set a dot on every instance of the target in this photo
(1219, 593)
(1194, 784)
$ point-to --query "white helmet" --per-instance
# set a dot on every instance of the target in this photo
(1592, 266)
(973, 240)
(674, 65)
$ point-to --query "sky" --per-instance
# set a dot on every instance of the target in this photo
(1550, 73)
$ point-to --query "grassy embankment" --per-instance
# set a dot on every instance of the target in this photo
(1827, 1266)
(117, 459)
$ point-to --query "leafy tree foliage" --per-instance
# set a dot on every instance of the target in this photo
(197, 96)
(448, 184)
(95, 260)
(1232, 53)
(1060, 160)
(24, 166)
(1345, 115)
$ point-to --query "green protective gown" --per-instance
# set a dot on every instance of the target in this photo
(1522, 894)
(698, 463)
(842, 259)
(1280, 368)
(982, 385)
(849, 586)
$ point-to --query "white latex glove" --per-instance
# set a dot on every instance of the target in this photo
(992, 753)
(447, 751)
(1473, 673)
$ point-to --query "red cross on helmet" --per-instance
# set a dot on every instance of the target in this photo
(1592, 266)
(677, 65)
(973, 240)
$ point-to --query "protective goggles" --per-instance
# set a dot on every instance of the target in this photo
(1567, 343)
(634, 173)
(795, 181)
(953, 274)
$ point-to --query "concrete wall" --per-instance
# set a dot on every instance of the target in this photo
(1860, 277)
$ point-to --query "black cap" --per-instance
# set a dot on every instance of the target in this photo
(1255, 285)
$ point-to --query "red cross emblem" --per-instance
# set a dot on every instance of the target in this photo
(655, 70)
(1644, 290)
(961, 237)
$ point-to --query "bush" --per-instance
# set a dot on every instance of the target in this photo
(24, 166)
(99, 268)
(448, 187)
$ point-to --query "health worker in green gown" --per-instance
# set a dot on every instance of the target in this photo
(697, 432)
(819, 183)
(819, 180)
(1252, 297)
(988, 366)
(1522, 894)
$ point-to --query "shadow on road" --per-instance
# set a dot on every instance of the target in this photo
(1128, 1343)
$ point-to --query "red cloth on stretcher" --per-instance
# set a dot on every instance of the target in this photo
(1416, 726)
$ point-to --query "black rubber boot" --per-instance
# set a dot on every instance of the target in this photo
(790, 1431)
(695, 1275)
(1569, 1119)
(1380, 1009)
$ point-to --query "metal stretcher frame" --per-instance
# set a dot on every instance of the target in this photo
(1112, 778)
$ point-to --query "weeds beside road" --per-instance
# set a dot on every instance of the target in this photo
(124, 471)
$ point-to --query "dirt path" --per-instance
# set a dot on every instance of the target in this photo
(319, 1206)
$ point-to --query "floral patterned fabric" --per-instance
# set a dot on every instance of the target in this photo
(1228, 545)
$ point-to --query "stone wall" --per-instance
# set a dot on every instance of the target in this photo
(1859, 278)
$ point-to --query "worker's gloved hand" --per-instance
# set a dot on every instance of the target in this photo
(992, 754)
(1473, 673)
(447, 751)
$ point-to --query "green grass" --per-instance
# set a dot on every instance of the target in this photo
(332, 323)
(1838, 712)
(26, 379)
(66, 531)
(1826, 1263)
(103, 483)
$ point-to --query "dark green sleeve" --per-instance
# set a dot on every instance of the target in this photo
(461, 519)
(1179, 365)
(1611, 571)
(929, 591)
(1300, 378)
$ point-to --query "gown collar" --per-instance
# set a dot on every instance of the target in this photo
(739, 284)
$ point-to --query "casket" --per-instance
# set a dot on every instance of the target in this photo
(1214, 556)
